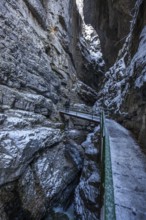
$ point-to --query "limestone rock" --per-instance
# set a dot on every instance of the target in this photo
(86, 93)
(48, 181)
(37, 43)
(36, 7)
(123, 90)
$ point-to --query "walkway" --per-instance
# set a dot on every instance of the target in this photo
(89, 117)
(129, 174)
(128, 168)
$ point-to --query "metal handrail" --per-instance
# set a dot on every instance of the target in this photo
(75, 109)
(107, 189)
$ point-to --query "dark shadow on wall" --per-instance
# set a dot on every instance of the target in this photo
(141, 21)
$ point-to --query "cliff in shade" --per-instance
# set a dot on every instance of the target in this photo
(51, 51)
(111, 19)
(123, 89)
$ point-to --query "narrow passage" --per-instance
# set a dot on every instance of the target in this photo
(129, 174)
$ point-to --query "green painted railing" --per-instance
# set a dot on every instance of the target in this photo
(107, 190)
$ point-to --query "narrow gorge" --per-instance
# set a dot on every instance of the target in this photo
(90, 54)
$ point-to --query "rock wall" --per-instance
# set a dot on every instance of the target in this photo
(44, 60)
(88, 61)
(135, 97)
(111, 19)
(123, 90)
(87, 194)
(37, 71)
(34, 63)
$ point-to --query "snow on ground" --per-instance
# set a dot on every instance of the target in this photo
(129, 174)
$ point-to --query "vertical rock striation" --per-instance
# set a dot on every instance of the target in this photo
(38, 43)
(123, 90)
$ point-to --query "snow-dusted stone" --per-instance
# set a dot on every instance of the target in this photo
(77, 135)
(39, 46)
(123, 91)
(87, 192)
(18, 148)
(49, 180)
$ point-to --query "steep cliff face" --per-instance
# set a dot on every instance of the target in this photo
(123, 90)
(90, 66)
(134, 102)
(111, 19)
(38, 43)
(47, 57)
